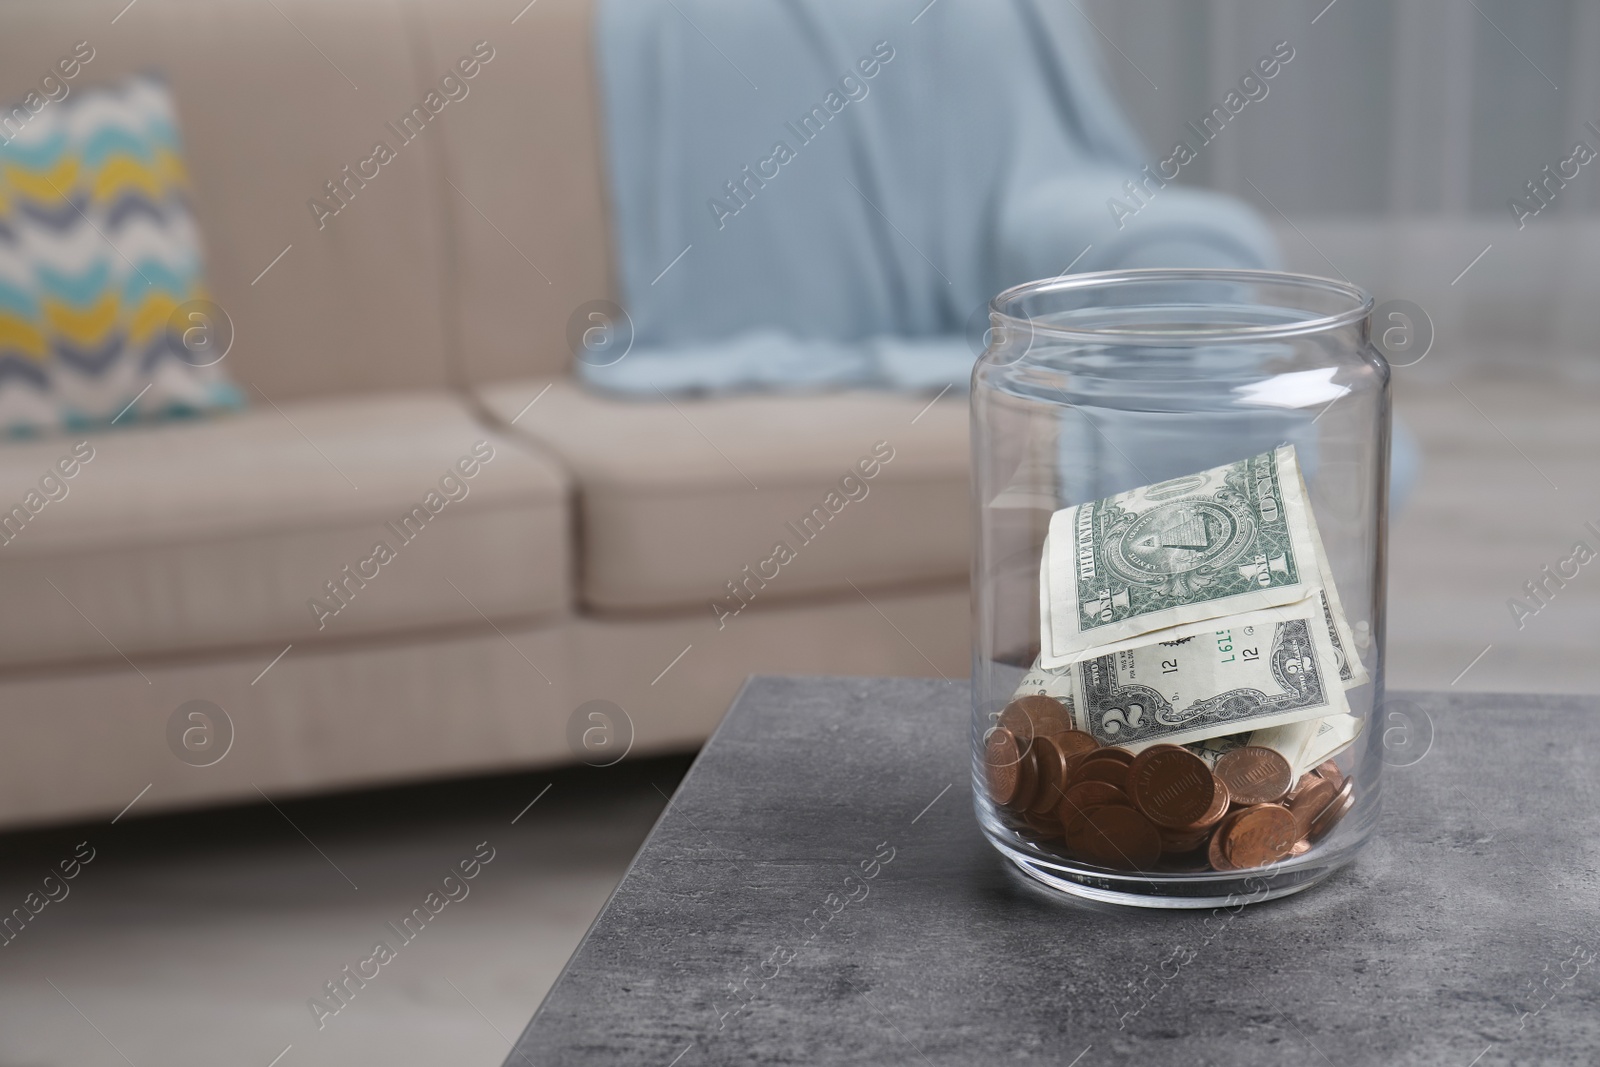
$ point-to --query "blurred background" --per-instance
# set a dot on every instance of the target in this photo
(405, 402)
(1392, 157)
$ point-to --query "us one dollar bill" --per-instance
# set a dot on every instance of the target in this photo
(1212, 625)
(1232, 539)
(1249, 673)
(1351, 672)
(1326, 739)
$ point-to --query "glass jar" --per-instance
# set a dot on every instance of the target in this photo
(1180, 485)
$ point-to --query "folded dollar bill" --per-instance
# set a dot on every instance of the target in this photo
(1249, 672)
(1170, 558)
(1199, 611)
(1230, 539)
(1350, 669)
(1327, 739)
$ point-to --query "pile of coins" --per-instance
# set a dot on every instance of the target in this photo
(1162, 809)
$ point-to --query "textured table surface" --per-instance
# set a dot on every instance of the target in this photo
(1467, 933)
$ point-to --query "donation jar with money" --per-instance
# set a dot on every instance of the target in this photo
(1180, 482)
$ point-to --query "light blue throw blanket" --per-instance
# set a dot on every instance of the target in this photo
(815, 194)
(811, 195)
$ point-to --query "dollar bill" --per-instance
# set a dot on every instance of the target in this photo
(1297, 503)
(1261, 669)
(1213, 625)
(1329, 737)
(1232, 539)
(1058, 682)
(1351, 672)
(1257, 678)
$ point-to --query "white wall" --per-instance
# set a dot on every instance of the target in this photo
(1390, 145)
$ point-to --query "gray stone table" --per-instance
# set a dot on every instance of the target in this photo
(1467, 933)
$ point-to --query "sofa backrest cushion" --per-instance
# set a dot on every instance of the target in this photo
(533, 247)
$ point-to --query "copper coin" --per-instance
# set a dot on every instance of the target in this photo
(1330, 770)
(1220, 804)
(1035, 715)
(1116, 837)
(1098, 769)
(1076, 742)
(1261, 835)
(1051, 763)
(1172, 786)
(1080, 828)
(1027, 779)
(1086, 795)
(1000, 765)
(1329, 817)
(1255, 775)
(1044, 827)
(1305, 780)
(1121, 755)
(1301, 847)
(1183, 840)
(1310, 802)
(1074, 762)
(1217, 851)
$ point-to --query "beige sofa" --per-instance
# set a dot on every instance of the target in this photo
(587, 557)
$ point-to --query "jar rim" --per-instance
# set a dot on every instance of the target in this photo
(1005, 305)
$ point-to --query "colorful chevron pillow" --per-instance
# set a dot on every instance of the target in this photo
(100, 267)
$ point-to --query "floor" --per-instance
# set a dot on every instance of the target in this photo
(1508, 482)
(201, 939)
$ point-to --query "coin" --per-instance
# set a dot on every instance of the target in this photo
(1301, 847)
(1337, 808)
(1310, 802)
(1099, 769)
(1084, 796)
(1000, 765)
(1220, 804)
(1182, 840)
(1074, 762)
(1076, 742)
(1330, 771)
(1051, 763)
(1073, 741)
(1121, 755)
(1027, 779)
(1116, 837)
(1300, 786)
(1172, 787)
(1035, 715)
(1216, 851)
(1077, 827)
(1044, 827)
(1261, 835)
(1255, 775)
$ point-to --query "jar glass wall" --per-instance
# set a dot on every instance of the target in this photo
(1180, 488)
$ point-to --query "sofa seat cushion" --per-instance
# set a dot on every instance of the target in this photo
(781, 496)
(264, 527)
